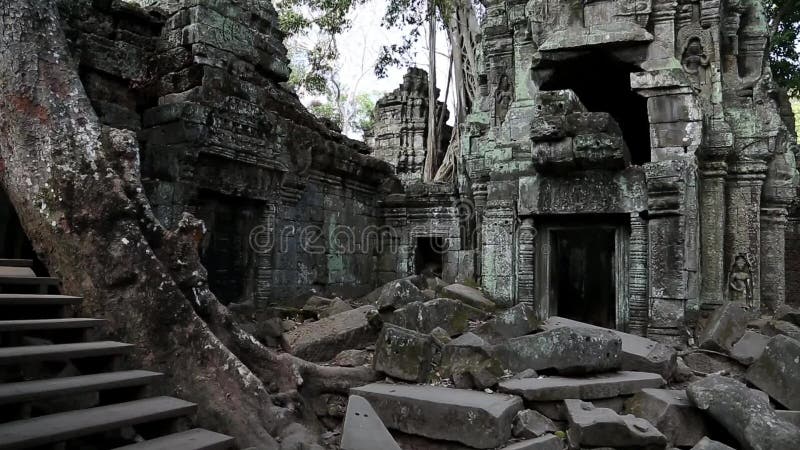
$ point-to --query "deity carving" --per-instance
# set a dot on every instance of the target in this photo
(502, 99)
(694, 44)
(740, 280)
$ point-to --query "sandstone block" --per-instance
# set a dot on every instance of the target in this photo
(725, 326)
(468, 295)
(601, 427)
(670, 411)
(777, 371)
(325, 338)
(403, 354)
(599, 386)
(363, 429)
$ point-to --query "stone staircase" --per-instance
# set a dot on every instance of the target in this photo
(60, 390)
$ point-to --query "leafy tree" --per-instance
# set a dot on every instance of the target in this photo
(784, 17)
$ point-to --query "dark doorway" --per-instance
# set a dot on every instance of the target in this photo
(14, 243)
(582, 275)
(602, 83)
(429, 255)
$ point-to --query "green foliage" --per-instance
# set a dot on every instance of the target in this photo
(796, 111)
(784, 17)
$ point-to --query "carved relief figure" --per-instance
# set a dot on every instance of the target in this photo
(694, 43)
(502, 99)
(740, 280)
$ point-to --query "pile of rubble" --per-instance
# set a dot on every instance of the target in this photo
(462, 374)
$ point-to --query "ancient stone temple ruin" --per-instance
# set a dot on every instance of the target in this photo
(630, 164)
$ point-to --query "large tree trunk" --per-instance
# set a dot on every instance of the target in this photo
(431, 156)
(76, 188)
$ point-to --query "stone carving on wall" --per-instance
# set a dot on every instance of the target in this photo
(740, 280)
(502, 99)
(694, 44)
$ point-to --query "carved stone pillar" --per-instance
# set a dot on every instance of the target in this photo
(637, 277)
(264, 246)
(497, 271)
(773, 254)
(712, 230)
(662, 49)
(526, 256)
(743, 224)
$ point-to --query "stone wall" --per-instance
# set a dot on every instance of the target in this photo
(223, 138)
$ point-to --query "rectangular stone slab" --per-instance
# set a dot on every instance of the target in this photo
(638, 353)
(472, 418)
(586, 388)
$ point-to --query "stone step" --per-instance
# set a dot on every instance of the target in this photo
(599, 386)
(16, 271)
(27, 391)
(48, 324)
(4, 262)
(61, 427)
(195, 439)
(472, 418)
(38, 300)
(61, 352)
(17, 280)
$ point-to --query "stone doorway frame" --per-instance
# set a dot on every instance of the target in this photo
(544, 304)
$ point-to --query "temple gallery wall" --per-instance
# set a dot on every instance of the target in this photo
(629, 163)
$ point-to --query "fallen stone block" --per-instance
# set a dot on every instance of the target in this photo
(468, 295)
(352, 358)
(554, 410)
(777, 371)
(725, 326)
(670, 411)
(708, 444)
(566, 350)
(748, 417)
(468, 362)
(787, 313)
(451, 315)
(707, 363)
(472, 418)
(776, 327)
(549, 442)
(403, 354)
(516, 321)
(373, 296)
(793, 417)
(322, 340)
(601, 427)
(639, 354)
(531, 424)
(398, 294)
(589, 388)
(363, 429)
(749, 347)
(320, 307)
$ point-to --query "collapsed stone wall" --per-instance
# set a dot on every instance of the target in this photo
(222, 137)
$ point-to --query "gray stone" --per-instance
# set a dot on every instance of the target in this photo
(567, 350)
(398, 294)
(777, 371)
(725, 326)
(530, 424)
(451, 315)
(468, 295)
(787, 313)
(516, 321)
(708, 444)
(325, 338)
(586, 388)
(363, 429)
(473, 418)
(468, 362)
(749, 347)
(670, 411)
(527, 373)
(776, 327)
(554, 410)
(352, 358)
(707, 363)
(590, 426)
(793, 417)
(321, 307)
(403, 354)
(549, 442)
(440, 336)
(748, 417)
(639, 354)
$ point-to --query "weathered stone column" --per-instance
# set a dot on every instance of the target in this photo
(712, 232)
(263, 242)
(743, 223)
(637, 277)
(526, 262)
(773, 254)
(661, 52)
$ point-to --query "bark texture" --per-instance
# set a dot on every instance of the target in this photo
(76, 188)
